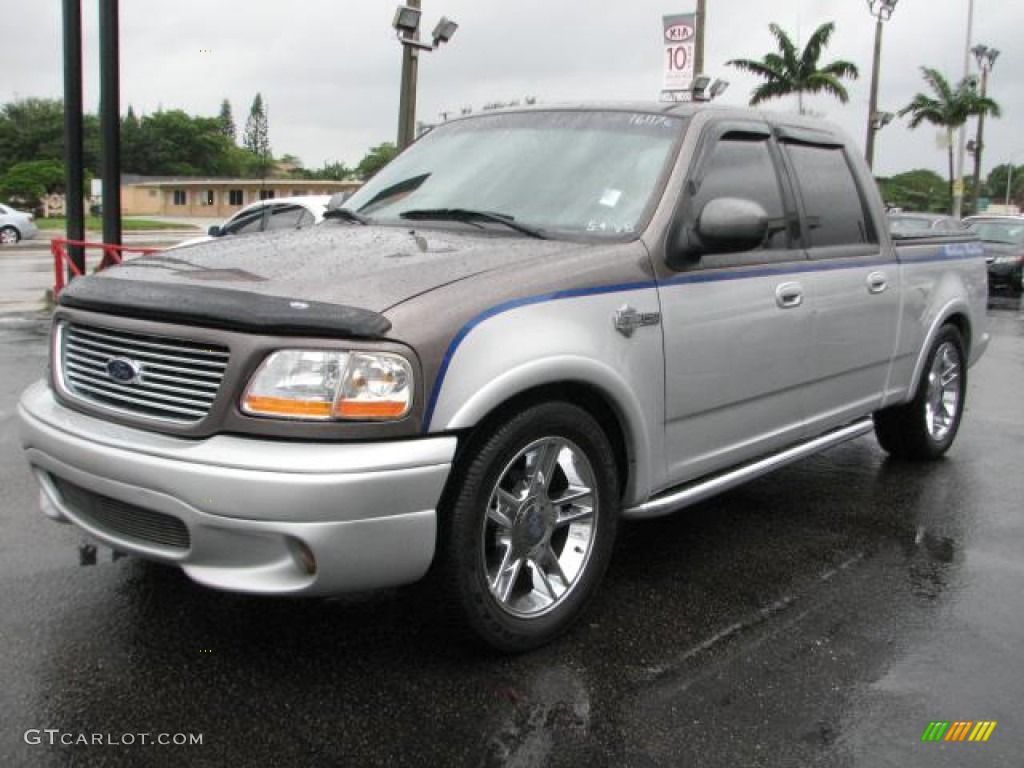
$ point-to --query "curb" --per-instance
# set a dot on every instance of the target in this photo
(26, 321)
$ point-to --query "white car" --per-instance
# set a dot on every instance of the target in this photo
(16, 225)
(269, 215)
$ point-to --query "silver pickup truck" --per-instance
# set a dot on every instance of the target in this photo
(530, 325)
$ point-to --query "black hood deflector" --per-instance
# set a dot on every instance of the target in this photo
(232, 310)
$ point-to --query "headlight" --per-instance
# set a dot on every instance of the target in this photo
(1006, 259)
(323, 385)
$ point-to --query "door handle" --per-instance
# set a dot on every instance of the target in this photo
(789, 295)
(877, 282)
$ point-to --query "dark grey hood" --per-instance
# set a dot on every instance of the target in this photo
(372, 268)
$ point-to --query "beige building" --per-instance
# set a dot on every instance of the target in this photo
(213, 198)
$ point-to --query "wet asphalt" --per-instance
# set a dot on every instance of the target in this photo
(823, 615)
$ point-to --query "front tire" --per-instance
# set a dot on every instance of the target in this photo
(925, 428)
(9, 235)
(527, 529)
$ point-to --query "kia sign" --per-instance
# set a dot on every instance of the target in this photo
(679, 37)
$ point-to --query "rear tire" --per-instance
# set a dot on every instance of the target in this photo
(527, 528)
(925, 428)
(9, 235)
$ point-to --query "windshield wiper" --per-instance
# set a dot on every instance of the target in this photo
(469, 215)
(347, 214)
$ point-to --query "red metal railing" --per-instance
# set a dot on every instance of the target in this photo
(112, 254)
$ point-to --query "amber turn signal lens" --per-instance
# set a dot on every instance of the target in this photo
(355, 409)
(280, 406)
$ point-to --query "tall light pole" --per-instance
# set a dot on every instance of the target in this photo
(986, 58)
(407, 28)
(958, 185)
(698, 43)
(882, 11)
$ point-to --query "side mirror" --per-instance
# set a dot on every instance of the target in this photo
(724, 225)
(732, 224)
(214, 231)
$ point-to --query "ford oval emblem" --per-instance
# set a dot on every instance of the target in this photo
(123, 370)
(679, 33)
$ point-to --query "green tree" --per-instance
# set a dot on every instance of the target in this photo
(790, 71)
(376, 159)
(333, 171)
(256, 137)
(33, 129)
(173, 143)
(917, 190)
(227, 122)
(27, 183)
(947, 108)
(1003, 177)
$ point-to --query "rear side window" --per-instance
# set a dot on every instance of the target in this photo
(740, 165)
(835, 210)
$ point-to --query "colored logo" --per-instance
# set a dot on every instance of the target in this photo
(958, 730)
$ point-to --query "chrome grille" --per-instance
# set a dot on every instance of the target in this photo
(124, 520)
(177, 379)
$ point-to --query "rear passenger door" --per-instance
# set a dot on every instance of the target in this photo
(737, 330)
(853, 288)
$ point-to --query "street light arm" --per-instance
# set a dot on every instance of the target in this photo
(415, 44)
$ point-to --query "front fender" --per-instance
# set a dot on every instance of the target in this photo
(570, 339)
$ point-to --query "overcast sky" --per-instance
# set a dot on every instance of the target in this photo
(329, 69)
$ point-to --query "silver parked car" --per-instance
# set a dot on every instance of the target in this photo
(16, 225)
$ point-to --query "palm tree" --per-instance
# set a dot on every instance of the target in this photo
(791, 71)
(949, 108)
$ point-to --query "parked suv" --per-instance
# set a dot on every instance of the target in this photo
(528, 326)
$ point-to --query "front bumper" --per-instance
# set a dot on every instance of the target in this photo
(237, 513)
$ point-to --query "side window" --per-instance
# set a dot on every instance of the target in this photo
(835, 210)
(245, 223)
(286, 217)
(741, 165)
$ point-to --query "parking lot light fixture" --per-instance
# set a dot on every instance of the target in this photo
(881, 119)
(407, 30)
(407, 20)
(444, 31)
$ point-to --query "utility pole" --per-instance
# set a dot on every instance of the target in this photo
(986, 58)
(698, 45)
(958, 185)
(407, 97)
(882, 11)
(110, 120)
(73, 160)
(869, 144)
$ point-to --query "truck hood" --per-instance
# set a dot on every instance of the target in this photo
(373, 268)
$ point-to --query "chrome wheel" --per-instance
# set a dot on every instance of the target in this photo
(945, 384)
(540, 527)
(9, 235)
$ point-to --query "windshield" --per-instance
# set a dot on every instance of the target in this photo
(1008, 232)
(560, 172)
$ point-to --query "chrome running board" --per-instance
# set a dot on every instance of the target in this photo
(685, 495)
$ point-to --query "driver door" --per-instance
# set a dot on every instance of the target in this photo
(737, 329)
